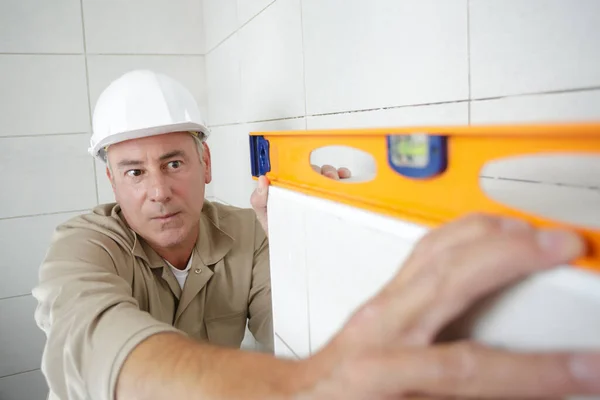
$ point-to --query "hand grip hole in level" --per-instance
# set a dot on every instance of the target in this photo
(361, 164)
(560, 187)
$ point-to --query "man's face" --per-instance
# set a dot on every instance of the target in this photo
(159, 182)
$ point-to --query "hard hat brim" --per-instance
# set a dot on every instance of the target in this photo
(98, 149)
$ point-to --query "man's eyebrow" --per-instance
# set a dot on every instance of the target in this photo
(166, 156)
(128, 163)
(172, 154)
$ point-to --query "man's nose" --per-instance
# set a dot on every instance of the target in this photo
(159, 189)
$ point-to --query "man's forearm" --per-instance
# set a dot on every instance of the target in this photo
(170, 365)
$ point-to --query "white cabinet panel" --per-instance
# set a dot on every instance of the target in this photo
(282, 350)
(144, 26)
(21, 341)
(381, 53)
(46, 174)
(43, 94)
(288, 271)
(533, 46)
(349, 257)
(27, 386)
(40, 26)
(271, 66)
(24, 242)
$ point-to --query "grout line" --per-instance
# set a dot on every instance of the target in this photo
(255, 122)
(39, 54)
(107, 54)
(147, 54)
(89, 99)
(18, 296)
(43, 135)
(530, 94)
(545, 183)
(44, 214)
(303, 66)
(469, 58)
(239, 28)
(20, 373)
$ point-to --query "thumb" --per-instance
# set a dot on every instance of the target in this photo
(259, 201)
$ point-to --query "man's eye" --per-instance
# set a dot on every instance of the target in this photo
(134, 172)
(174, 164)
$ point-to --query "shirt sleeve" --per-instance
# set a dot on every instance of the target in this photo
(90, 318)
(260, 321)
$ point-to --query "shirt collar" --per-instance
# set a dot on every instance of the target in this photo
(212, 245)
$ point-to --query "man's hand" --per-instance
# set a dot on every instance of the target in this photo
(388, 349)
(261, 193)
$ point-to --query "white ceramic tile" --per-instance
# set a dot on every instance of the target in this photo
(249, 8)
(24, 245)
(362, 55)
(565, 204)
(543, 108)
(230, 151)
(21, 341)
(271, 70)
(533, 46)
(189, 70)
(29, 385)
(223, 74)
(559, 108)
(144, 26)
(43, 94)
(439, 114)
(39, 26)
(46, 174)
(220, 21)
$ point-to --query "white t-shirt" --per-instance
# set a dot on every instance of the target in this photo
(181, 275)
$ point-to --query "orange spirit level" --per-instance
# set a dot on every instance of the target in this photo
(426, 175)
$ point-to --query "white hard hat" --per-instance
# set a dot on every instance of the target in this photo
(143, 103)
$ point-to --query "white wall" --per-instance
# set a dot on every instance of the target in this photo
(55, 58)
(297, 64)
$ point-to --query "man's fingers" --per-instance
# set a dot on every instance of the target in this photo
(443, 285)
(258, 200)
(469, 371)
(330, 172)
(344, 173)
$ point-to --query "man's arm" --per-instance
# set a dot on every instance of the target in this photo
(175, 367)
(89, 315)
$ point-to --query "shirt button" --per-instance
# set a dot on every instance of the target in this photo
(197, 270)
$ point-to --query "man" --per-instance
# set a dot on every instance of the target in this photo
(149, 297)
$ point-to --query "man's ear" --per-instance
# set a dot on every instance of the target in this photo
(207, 166)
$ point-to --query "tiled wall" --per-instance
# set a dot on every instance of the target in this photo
(55, 59)
(296, 64)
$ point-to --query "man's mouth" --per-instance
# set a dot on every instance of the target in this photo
(165, 217)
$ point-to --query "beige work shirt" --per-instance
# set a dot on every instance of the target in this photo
(103, 290)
